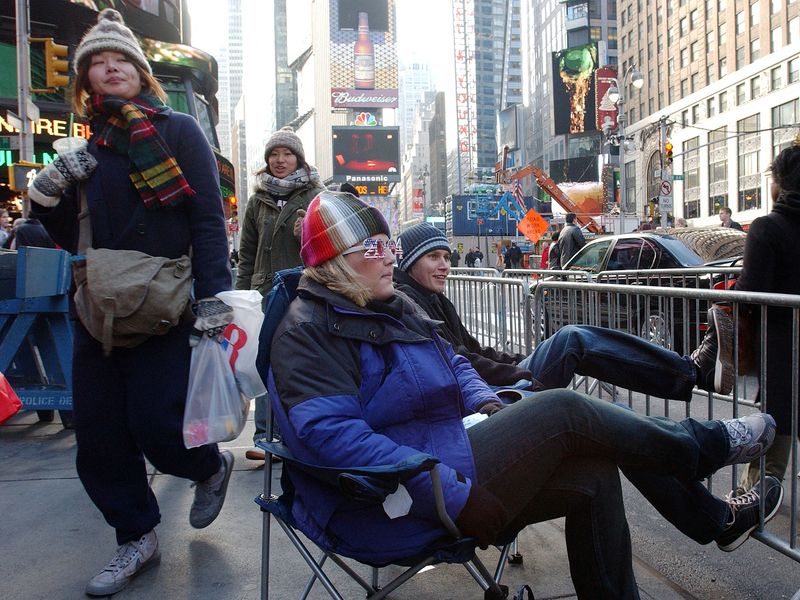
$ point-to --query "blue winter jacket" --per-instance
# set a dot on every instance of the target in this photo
(121, 221)
(353, 387)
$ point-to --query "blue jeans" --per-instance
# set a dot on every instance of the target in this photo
(612, 356)
(556, 454)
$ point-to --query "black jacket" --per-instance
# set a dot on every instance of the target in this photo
(496, 368)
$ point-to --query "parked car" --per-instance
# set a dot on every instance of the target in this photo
(628, 259)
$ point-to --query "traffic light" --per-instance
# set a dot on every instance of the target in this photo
(232, 202)
(668, 153)
(55, 63)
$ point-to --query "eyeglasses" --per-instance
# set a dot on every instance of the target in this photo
(375, 248)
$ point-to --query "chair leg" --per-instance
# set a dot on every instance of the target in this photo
(481, 574)
(515, 558)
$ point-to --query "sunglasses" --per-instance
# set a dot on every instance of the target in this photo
(375, 248)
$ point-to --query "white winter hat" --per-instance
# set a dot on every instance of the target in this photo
(110, 33)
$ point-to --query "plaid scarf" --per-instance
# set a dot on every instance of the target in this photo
(129, 130)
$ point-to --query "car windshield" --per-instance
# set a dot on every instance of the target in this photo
(685, 256)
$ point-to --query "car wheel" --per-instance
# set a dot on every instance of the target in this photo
(655, 329)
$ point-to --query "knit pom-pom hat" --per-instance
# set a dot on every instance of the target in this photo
(285, 137)
(110, 33)
(334, 222)
(417, 241)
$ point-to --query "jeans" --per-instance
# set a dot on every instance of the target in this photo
(611, 356)
(556, 454)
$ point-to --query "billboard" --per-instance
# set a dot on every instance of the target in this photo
(573, 89)
(579, 179)
(366, 154)
(363, 54)
(481, 214)
(466, 83)
(604, 79)
(507, 129)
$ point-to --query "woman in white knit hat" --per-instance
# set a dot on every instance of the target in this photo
(148, 178)
(270, 238)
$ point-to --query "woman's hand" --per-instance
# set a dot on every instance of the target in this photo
(213, 316)
(70, 167)
(298, 224)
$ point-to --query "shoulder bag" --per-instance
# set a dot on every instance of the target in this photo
(123, 297)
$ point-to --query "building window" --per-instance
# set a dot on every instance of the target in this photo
(755, 49)
(749, 196)
(710, 108)
(739, 57)
(755, 87)
(717, 170)
(709, 40)
(720, 5)
(722, 34)
(794, 70)
(684, 57)
(684, 88)
(775, 6)
(782, 116)
(755, 10)
(685, 117)
(723, 101)
(794, 30)
(740, 23)
(694, 82)
(740, 94)
(776, 78)
(710, 74)
(694, 19)
(671, 67)
(723, 66)
(775, 39)
(695, 114)
(684, 23)
(693, 53)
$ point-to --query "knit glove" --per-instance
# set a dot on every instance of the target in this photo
(70, 167)
(213, 316)
(491, 407)
(298, 224)
(483, 516)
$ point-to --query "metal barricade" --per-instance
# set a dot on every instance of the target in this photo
(615, 306)
(475, 271)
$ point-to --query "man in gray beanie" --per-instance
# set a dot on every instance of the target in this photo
(597, 352)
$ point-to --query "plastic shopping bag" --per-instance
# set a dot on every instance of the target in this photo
(9, 401)
(215, 410)
(241, 339)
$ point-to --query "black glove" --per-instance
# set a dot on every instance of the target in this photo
(70, 167)
(491, 407)
(483, 516)
(213, 316)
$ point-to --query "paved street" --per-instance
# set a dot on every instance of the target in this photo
(54, 540)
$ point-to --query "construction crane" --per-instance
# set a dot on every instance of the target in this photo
(544, 181)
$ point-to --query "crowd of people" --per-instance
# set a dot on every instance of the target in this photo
(375, 363)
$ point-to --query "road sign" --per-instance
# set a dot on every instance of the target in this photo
(9, 142)
(679, 177)
(533, 226)
(666, 188)
(481, 221)
(665, 204)
(233, 227)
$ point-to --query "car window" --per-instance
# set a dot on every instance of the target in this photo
(648, 256)
(590, 257)
(625, 255)
(684, 256)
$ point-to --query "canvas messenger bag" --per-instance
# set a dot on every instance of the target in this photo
(123, 297)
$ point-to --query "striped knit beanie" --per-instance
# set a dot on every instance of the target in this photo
(417, 241)
(110, 33)
(334, 222)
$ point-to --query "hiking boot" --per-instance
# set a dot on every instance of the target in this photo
(130, 559)
(714, 356)
(749, 437)
(209, 495)
(744, 512)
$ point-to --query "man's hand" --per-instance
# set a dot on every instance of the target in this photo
(298, 224)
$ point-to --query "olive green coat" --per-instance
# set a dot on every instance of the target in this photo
(268, 243)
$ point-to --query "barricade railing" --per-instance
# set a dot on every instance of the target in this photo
(475, 271)
(607, 304)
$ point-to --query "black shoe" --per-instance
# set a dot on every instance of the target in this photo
(714, 356)
(745, 510)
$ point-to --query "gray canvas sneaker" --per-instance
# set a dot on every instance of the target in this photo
(749, 437)
(209, 495)
(130, 559)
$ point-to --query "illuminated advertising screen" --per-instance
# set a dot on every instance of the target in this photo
(579, 179)
(482, 214)
(363, 155)
(605, 78)
(507, 128)
(363, 54)
(574, 90)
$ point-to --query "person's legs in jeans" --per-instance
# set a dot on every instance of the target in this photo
(614, 357)
(260, 418)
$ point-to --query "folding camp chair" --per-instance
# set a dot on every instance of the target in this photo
(370, 484)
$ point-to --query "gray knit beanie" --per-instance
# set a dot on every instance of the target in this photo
(110, 33)
(285, 137)
(417, 241)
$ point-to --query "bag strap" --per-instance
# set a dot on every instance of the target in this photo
(84, 223)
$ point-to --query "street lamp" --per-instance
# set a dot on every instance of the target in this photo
(616, 95)
(422, 177)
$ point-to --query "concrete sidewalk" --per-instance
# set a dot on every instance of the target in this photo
(54, 539)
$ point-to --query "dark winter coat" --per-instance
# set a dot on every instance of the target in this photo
(772, 264)
(268, 243)
(32, 233)
(570, 240)
(359, 387)
(121, 221)
(496, 368)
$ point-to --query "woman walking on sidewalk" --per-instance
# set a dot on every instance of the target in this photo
(129, 405)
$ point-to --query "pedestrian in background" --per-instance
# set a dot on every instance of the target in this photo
(270, 240)
(725, 216)
(570, 240)
(554, 256)
(455, 258)
(129, 405)
(5, 226)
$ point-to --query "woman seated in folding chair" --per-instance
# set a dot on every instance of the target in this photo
(362, 378)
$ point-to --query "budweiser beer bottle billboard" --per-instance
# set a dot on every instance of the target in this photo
(364, 56)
